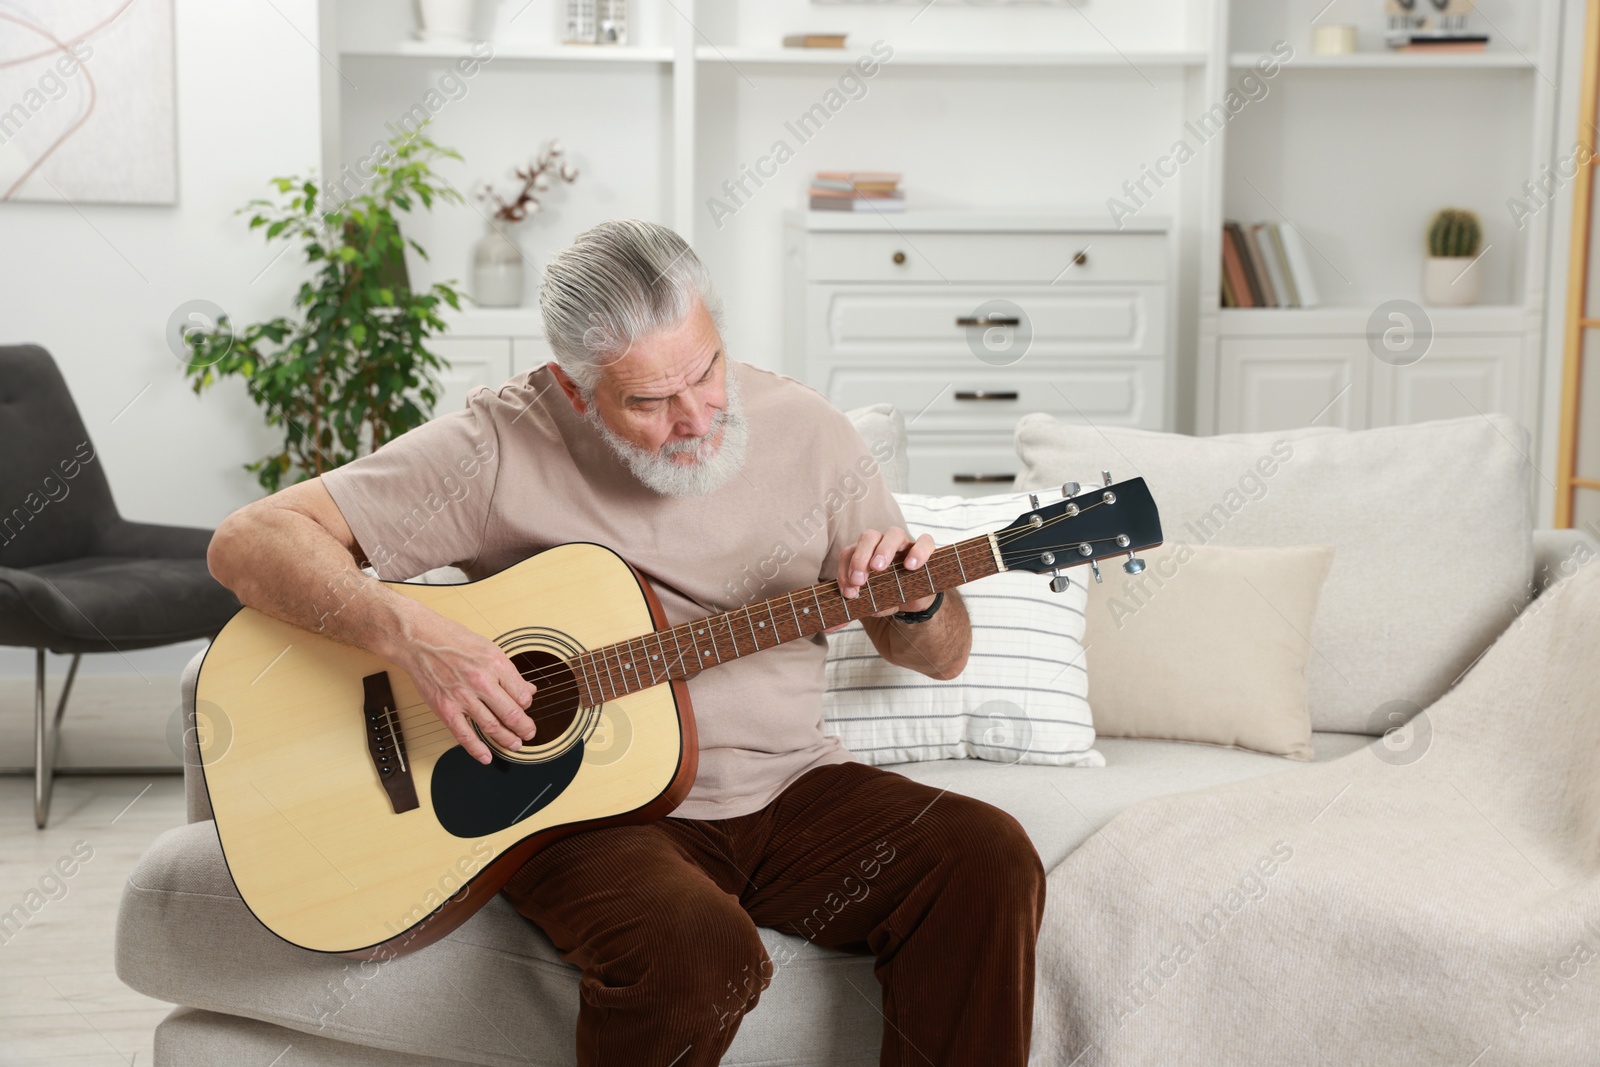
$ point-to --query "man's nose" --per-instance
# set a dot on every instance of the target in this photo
(694, 416)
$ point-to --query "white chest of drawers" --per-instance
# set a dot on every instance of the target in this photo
(967, 320)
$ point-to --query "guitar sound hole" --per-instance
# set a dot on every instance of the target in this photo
(555, 698)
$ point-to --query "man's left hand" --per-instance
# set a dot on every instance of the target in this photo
(877, 551)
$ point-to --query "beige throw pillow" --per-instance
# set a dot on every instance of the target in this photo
(1209, 644)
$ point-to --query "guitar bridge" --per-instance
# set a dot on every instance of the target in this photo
(387, 744)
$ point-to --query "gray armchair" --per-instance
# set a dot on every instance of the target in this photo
(75, 576)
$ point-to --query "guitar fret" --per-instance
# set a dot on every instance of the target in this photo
(679, 647)
(748, 621)
(822, 616)
(604, 659)
(776, 640)
(798, 629)
(710, 630)
(895, 570)
(957, 547)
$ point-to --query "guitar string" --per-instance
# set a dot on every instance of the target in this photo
(438, 728)
(733, 630)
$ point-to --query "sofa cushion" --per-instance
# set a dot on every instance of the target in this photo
(1163, 667)
(1431, 526)
(184, 935)
(1022, 696)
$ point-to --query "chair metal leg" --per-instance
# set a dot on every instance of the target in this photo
(46, 736)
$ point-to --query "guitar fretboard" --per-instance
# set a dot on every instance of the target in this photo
(689, 648)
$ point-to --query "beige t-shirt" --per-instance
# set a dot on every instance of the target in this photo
(517, 471)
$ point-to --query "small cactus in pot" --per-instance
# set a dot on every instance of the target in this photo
(1453, 276)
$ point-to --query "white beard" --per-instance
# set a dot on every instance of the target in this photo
(710, 469)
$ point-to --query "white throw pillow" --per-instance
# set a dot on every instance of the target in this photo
(1431, 525)
(1023, 697)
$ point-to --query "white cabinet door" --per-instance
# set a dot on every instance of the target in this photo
(945, 466)
(997, 326)
(1278, 384)
(1457, 376)
(1127, 392)
(474, 361)
(529, 353)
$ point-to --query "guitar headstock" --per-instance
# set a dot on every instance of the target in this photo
(1084, 526)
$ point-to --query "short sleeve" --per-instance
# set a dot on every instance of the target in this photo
(422, 500)
(866, 502)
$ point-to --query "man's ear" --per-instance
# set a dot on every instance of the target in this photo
(568, 386)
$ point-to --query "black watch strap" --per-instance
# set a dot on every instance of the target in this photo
(925, 614)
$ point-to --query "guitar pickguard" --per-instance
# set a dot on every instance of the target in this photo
(471, 799)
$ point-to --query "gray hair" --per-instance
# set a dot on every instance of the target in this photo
(618, 282)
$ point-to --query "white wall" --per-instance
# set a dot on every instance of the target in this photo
(95, 284)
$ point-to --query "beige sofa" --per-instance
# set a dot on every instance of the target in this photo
(494, 991)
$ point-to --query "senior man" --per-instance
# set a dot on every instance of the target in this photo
(645, 436)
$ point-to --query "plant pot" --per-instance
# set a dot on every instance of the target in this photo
(446, 20)
(497, 268)
(1447, 281)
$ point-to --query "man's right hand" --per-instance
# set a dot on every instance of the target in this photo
(465, 678)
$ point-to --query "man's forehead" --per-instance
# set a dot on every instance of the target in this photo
(662, 370)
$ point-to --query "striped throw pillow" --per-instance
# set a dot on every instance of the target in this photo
(1023, 697)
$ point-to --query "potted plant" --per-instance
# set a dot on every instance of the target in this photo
(353, 370)
(1450, 277)
(497, 275)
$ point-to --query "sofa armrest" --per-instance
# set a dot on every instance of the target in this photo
(1557, 555)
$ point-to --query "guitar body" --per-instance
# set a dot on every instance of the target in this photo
(308, 778)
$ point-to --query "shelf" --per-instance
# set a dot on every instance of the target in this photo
(1041, 220)
(474, 321)
(568, 53)
(736, 54)
(1352, 320)
(1395, 61)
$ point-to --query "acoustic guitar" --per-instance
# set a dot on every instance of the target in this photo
(354, 823)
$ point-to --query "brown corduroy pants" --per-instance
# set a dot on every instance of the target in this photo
(945, 891)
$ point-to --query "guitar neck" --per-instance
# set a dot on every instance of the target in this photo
(687, 649)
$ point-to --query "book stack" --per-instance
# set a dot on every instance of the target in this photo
(813, 40)
(1265, 266)
(1441, 42)
(856, 190)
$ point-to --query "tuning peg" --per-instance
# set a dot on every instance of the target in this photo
(1070, 490)
(1094, 565)
(1135, 565)
(1060, 583)
(1033, 501)
(1107, 476)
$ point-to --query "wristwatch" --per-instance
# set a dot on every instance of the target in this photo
(925, 614)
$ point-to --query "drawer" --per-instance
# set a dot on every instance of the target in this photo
(943, 468)
(1060, 258)
(926, 322)
(1111, 392)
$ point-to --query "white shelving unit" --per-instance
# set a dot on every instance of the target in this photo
(1044, 109)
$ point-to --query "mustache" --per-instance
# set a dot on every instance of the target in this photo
(695, 444)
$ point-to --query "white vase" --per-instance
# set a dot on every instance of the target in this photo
(1447, 281)
(445, 20)
(497, 268)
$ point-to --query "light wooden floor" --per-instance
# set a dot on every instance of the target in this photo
(60, 1000)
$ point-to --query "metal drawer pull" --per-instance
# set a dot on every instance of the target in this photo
(980, 394)
(1081, 259)
(992, 320)
(899, 257)
(970, 478)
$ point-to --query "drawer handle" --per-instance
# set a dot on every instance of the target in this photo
(899, 257)
(967, 479)
(981, 394)
(992, 320)
(1081, 259)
